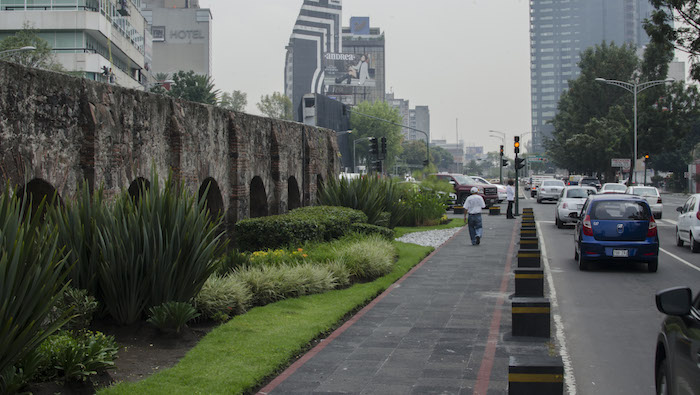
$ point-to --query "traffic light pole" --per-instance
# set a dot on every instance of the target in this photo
(517, 185)
(500, 168)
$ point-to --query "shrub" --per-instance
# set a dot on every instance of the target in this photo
(368, 229)
(78, 304)
(32, 274)
(424, 207)
(231, 261)
(277, 231)
(367, 259)
(18, 376)
(372, 195)
(172, 316)
(336, 220)
(76, 356)
(222, 297)
(277, 257)
(270, 284)
(340, 272)
(157, 249)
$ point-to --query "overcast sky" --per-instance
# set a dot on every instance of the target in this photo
(466, 59)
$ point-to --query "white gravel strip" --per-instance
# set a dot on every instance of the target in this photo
(430, 238)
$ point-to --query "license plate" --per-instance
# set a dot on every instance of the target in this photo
(621, 253)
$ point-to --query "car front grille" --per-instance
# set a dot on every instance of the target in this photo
(490, 191)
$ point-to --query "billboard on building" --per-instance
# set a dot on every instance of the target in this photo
(359, 25)
(348, 77)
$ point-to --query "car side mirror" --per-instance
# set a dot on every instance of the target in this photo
(573, 215)
(674, 301)
(679, 209)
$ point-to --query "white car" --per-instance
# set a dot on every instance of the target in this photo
(651, 194)
(688, 228)
(571, 200)
(500, 188)
(613, 187)
(550, 190)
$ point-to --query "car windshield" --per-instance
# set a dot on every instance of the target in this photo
(615, 187)
(553, 183)
(481, 180)
(579, 193)
(465, 180)
(645, 192)
(619, 210)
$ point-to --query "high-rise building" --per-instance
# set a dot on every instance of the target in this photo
(106, 40)
(422, 122)
(181, 36)
(403, 107)
(559, 31)
(360, 75)
(316, 33)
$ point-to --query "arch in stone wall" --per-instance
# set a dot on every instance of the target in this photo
(213, 199)
(137, 187)
(258, 198)
(293, 194)
(36, 190)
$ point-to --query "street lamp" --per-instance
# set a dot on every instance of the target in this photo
(634, 88)
(9, 51)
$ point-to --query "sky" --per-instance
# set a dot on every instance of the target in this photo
(468, 60)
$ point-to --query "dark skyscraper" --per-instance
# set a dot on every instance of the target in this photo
(559, 31)
(317, 31)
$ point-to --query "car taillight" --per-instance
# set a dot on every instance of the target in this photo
(564, 205)
(587, 228)
(658, 201)
(651, 232)
(697, 215)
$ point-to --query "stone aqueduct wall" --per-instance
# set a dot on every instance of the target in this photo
(57, 131)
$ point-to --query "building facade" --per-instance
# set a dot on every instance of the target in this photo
(403, 107)
(106, 40)
(181, 34)
(559, 31)
(317, 31)
(421, 121)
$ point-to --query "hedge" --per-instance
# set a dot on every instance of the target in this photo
(368, 229)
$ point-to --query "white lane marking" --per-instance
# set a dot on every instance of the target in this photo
(681, 260)
(558, 323)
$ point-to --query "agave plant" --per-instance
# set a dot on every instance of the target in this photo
(32, 274)
(157, 249)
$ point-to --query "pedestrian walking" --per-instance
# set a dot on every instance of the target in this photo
(510, 196)
(472, 206)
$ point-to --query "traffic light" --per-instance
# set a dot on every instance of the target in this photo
(502, 152)
(383, 148)
(426, 163)
(519, 163)
(516, 144)
(373, 147)
(646, 158)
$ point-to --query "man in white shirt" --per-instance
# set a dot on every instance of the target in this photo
(510, 196)
(473, 206)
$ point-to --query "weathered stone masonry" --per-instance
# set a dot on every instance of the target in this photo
(57, 131)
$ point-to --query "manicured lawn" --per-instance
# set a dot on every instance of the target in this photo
(249, 350)
(402, 230)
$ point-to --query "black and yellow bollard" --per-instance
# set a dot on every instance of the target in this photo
(527, 210)
(529, 243)
(458, 209)
(528, 232)
(529, 258)
(532, 374)
(495, 210)
(531, 317)
(529, 282)
(530, 219)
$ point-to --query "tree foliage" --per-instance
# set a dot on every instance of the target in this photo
(41, 57)
(676, 24)
(414, 154)
(235, 101)
(363, 126)
(193, 87)
(277, 106)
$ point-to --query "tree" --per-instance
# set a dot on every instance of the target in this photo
(365, 127)
(441, 157)
(414, 154)
(41, 57)
(276, 106)
(472, 168)
(675, 24)
(193, 87)
(235, 101)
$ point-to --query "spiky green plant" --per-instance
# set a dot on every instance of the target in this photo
(32, 274)
(172, 316)
(270, 284)
(367, 258)
(222, 297)
(157, 249)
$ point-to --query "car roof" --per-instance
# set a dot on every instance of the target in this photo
(615, 183)
(580, 187)
(616, 196)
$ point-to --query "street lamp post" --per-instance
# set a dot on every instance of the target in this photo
(634, 88)
(9, 51)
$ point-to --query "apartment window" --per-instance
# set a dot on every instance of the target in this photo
(548, 97)
(548, 114)
(548, 66)
(547, 90)
(548, 74)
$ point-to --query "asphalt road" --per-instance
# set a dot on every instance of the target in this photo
(608, 314)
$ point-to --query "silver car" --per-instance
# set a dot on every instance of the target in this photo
(570, 201)
(688, 228)
(549, 190)
(652, 196)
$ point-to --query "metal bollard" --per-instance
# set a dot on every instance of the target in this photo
(495, 210)
(541, 375)
(530, 317)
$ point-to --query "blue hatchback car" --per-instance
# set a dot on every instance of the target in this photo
(616, 227)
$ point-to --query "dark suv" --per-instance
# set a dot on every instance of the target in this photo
(677, 362)
(463, 185)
